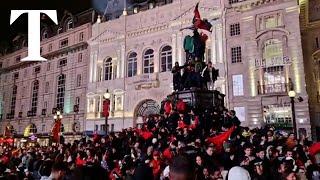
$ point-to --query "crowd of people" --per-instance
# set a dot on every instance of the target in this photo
(169, 146)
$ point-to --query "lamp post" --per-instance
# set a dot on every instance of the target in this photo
(292, 95)
(106, 109)
(57, 116)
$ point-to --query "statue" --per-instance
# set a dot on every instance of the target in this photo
(196, 73)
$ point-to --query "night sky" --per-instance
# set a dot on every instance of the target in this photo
(7, 32)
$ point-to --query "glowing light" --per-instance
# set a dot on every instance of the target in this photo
(301, 121)
(292, 94)
(68, 105)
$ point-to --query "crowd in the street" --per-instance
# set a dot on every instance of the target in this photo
(171, 146)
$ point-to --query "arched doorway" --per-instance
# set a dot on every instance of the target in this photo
(145, 108)
(29, 130)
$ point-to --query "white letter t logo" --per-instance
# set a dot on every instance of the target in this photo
(33, 30)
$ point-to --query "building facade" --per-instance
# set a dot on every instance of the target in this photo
(31, 91)
(132, 58)
(310, 30)
(256, 45)
(265, 61)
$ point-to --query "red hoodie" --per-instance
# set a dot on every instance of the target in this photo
(80, 162)
(156, 167)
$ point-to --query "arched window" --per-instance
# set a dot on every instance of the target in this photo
(45, 34)
(61, 85)
(148, 61)
(132, 64)
(166, 58)
(59, 31)
(33, 129)
(69, 24)
(34, 100)
(272, 50)
(108, 69)
(274, 72)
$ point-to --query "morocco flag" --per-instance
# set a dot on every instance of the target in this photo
(314, 149)
(220, 139)
(198, 22)
(55, 131)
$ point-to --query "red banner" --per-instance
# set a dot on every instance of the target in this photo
(106, 108)
(56, 130)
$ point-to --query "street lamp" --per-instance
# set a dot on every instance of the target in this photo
(292, 95)
(106, 108)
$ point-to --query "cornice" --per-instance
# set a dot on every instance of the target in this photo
(246, 5)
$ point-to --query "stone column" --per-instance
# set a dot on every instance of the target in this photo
(123, 60)
(118, 75)
(219, 38)
(174, 48)
(179, 48)
(91, 68)
(95, 59)
(213, 46)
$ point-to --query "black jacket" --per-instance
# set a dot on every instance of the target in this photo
(206, 74)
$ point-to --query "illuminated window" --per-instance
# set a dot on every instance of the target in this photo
(13, 100)
(132, 64)
(237, 84)
(274, 74)
(273, 50)
(166, 59)
(61, 82)
(278, 115)
(148, 64)
(274, 79)
(34, 100)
